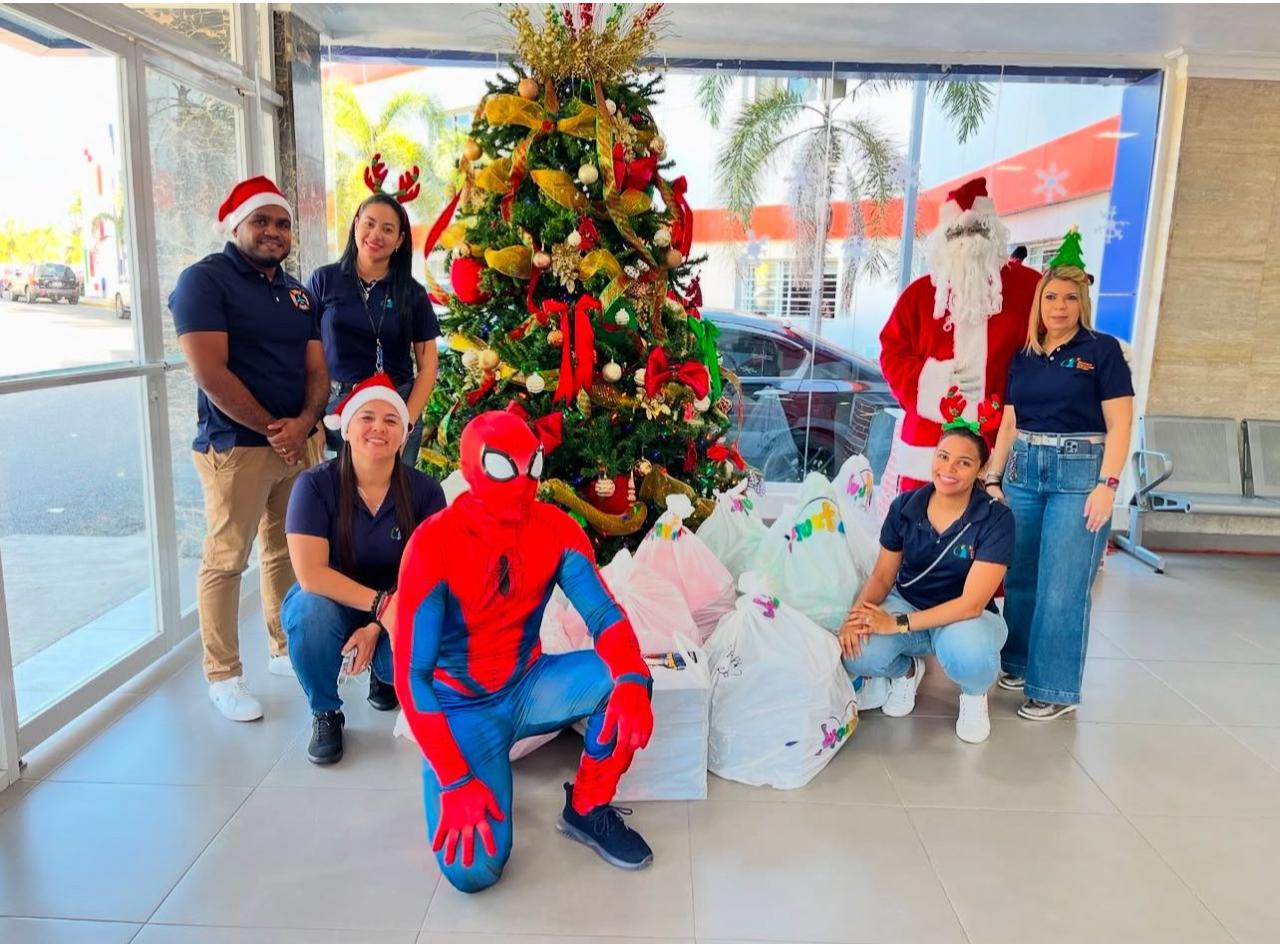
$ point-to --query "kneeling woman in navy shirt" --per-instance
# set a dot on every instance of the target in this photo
(1065, 436)
(347, 525)
(944, 549)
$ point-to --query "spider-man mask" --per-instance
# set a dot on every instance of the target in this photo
(501, 459)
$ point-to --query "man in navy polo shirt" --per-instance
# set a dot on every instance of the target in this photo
(250, 333)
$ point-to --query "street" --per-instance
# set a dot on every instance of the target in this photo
(50, 335)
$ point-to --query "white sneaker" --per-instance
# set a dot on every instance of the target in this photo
(874, 692)
(973, 725)
(232, 698)
(281, 665)
(902, 692)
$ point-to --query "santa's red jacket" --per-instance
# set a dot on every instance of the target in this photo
(919, 352)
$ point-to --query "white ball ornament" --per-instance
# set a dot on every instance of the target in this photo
(662, 237)
(535, 384)
(489, 359)
(639, 376)
(611, 106)
(702, 405)
(658, 145)
(573, 240)
(622, 318)
(470, 358)
(611, 372)
(462, 250)
(541, 260)
(588, 174)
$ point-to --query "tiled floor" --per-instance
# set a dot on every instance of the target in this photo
(1153, 816)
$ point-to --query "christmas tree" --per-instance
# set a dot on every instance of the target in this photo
(574, 299)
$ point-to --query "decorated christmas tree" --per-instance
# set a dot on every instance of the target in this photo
(574, 299)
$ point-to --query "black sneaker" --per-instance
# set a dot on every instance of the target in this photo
(326, 737)
(604, 831)
(381, 695)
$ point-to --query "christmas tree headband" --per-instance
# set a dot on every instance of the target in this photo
(1069, 253)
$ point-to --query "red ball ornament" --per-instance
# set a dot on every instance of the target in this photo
(465, 274)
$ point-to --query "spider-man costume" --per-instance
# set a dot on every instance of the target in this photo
(469, 667)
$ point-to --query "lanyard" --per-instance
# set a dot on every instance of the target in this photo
(945, 551)
(365, 292)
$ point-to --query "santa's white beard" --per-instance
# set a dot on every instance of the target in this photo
(966, 270)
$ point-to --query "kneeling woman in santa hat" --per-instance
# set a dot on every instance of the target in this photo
(347, 526)
(1063, 442)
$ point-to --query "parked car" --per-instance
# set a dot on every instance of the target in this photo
(51, 280)
(7, 274)
(123, 301)
(808, 403)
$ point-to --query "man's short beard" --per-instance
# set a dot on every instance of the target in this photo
(257, 258)
(966, 270)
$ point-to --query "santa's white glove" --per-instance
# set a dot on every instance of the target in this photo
(969, 378)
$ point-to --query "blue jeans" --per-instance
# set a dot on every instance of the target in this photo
(556, 691)
(333, 438)
(968, 651)
(1048, 590)
(317, 629)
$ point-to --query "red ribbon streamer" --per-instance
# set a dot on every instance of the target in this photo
(437, 228)
(719, 452)
(549, 429)
(474, 396)
(658, 371)
(682, 238)
(577, 348)
(690, 457)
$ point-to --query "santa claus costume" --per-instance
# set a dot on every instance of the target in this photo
(959, 326)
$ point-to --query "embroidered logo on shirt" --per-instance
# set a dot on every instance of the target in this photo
(1078, 363)
(395, 534)
(964, 551)
(299, 299)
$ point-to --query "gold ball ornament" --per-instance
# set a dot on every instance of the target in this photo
(622, 318)
(674, 258)
(588, 174)
(541, 260)
(573, 240)
(658, 144)
(472, 150)
(644, 467)
(555, 336)
(702, 405)
(534, 383)
(528, 88)
(611, 372)
(662, 237)
(489, 359)
(470, 358)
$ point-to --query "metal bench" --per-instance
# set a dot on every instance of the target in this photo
(1194, 465)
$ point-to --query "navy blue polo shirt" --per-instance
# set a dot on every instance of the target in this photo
(350, 330)
(983, 533)
(376, 539)
(1062, 391)
(268, 324)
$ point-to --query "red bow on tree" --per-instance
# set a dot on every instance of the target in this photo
(719, 452)
(692, 300)
(577, 348)
(549, 429)
(633, 175)
(590, 235)
(658, 371)
(682, 228)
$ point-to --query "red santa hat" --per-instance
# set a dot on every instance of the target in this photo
(247, 196)
(377, 387)
(970, 196)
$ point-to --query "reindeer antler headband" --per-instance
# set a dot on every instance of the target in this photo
(407, 187)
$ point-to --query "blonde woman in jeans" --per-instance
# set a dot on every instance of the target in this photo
(1063, 442)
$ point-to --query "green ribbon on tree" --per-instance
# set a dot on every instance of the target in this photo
(707, 333)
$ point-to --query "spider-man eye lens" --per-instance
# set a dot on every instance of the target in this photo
(535, 465)
(498, 465)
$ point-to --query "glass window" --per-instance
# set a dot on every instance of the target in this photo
(209, 24)
(63, 243)
(73, 515)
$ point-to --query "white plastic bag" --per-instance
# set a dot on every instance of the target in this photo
(734, 530)
(805, 559)
(781, 702)
(654, 605)
(673, 551)
(674, 765)
(855, 490)
(453, 485)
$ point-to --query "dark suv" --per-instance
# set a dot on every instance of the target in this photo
(808, 403)
(51, 280)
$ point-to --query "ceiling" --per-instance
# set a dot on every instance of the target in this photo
(1103, 34)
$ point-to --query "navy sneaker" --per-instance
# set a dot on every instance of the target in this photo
(604, 831)
(326, 737)
(382, 695)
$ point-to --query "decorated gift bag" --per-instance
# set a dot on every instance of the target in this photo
(805, 558)
(676, 553)
(781, 702)
(855, 490)
(734, 530)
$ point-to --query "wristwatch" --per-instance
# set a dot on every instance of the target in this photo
(904, 622)
(1110, 481)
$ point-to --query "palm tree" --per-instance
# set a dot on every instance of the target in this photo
(831, 149)
(412, 129)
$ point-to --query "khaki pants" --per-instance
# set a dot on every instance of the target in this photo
(246, 489)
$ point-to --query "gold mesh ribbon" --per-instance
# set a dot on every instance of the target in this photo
(600, 260)
(614, 525)
(559, 186)
(659, 483)
(612, 200)
(514, 261)
(494, 175)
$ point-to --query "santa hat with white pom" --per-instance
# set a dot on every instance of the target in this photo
(247, 196)
(377, 387)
